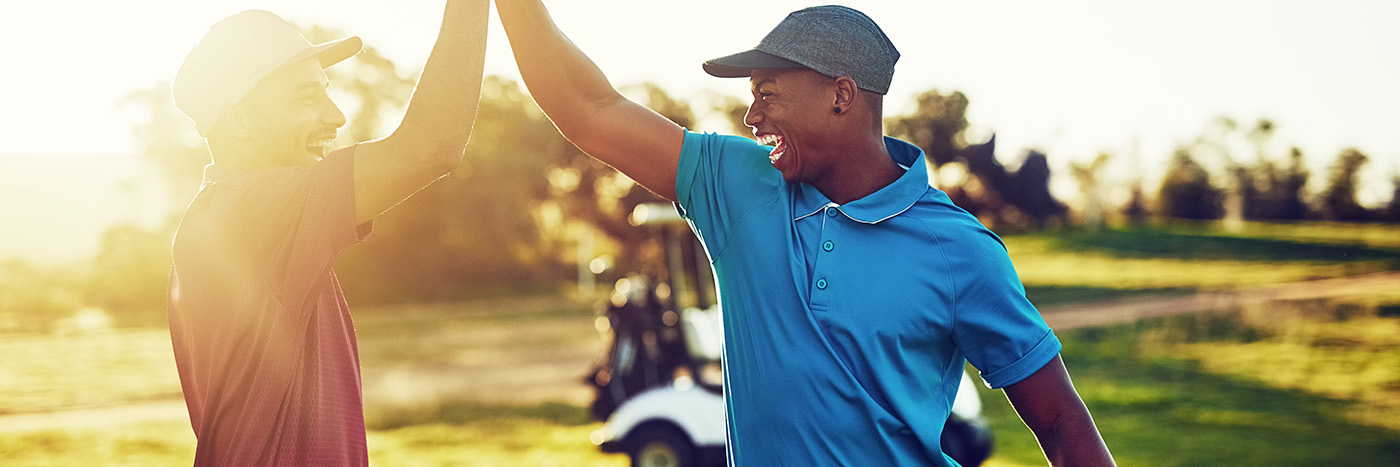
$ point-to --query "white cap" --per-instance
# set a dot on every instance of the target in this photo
(239, 51)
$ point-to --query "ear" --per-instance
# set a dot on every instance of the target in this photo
(235, 121)
(846, 92)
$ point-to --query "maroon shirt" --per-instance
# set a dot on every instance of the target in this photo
(262, 335)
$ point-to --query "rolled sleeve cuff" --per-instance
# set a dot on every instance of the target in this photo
(685, 171)
(1031, 362)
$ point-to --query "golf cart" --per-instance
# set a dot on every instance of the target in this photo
(659, 383)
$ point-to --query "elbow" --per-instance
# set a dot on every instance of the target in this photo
(431, 156)
(444, 158)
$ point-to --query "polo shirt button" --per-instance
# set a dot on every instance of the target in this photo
(821, 284)
(828, 245)
(830, 212)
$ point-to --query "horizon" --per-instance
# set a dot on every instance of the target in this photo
(1070, 80)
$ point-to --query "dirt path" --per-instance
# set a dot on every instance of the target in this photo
(509, 363)
(160, 411)
(1065, 317)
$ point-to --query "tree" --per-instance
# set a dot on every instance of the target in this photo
(1136, 210)
(1284, 196)
(1268, 191)
(1339, 198)
(473, 231)
(603, 198)
(1187, 191)
(130, 273)
(936, 125)
(1391, 213)
(733, 109)
(994, 194)
(31, 299)
(169, 142)
(130, 269)
(1090, 188)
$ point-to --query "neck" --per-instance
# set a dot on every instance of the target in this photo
(865, 168)
(241, 156)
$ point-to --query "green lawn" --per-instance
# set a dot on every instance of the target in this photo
(1283, 385)
(509, 437)
(1073, 265)
(1314, 383)
(41, 372)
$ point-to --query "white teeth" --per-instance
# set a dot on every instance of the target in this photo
(320, 147)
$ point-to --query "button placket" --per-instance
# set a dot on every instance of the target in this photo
(821, 280)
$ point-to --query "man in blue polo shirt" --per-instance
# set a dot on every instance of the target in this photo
(853, 292)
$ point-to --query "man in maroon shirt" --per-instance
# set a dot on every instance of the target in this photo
(263, 339)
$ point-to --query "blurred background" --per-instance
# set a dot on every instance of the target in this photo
(1201, 197)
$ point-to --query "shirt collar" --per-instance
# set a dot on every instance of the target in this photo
(886, 202)
(217, 173)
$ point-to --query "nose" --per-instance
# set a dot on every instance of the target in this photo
(753, 116)
(331, 114)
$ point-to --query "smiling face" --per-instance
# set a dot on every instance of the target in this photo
(791, 111)
(288, 119)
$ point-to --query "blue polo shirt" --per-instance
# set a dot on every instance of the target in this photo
(847, 326)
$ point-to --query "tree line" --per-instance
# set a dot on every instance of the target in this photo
(511, 217)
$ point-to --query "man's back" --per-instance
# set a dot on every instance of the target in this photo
(263, 339)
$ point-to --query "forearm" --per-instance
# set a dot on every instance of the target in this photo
(440, 114)
(1053, 410)
(563, 81)
(1073, 440)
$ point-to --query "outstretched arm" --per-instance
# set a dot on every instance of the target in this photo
(438, 121)
(577, 97)
(1047, 402)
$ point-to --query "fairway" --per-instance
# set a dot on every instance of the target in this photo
(480, 383)
(1226, 369)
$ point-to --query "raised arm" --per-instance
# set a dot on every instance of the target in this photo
(435, 128)
(1047, 402)
(576, 96)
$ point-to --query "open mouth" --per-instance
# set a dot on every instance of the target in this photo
(778, 144)
(320, 146)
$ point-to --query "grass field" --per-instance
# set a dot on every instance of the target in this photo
(1192, 258)
(1290, 384)
(497, 382)
(481, 383)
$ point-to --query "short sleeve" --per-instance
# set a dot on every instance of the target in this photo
(719, 179)
(302, 217)
(995, 326)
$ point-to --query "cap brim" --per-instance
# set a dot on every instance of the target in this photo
(336, 51)
(742, 64)
(328, 53)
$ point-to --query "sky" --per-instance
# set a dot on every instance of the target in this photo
(1072, 78)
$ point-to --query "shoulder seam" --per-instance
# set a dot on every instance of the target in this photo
(738, 221)
(948, 272)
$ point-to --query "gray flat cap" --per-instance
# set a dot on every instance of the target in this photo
(832, 40)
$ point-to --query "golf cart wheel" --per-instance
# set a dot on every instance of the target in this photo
(656, 445)
(967, 443)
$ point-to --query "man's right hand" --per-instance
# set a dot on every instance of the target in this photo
(581, 102)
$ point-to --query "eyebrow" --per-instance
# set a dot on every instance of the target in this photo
(762, 82)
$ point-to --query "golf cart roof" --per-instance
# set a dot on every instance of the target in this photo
(651, 214)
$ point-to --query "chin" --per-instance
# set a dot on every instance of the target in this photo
(308, 158)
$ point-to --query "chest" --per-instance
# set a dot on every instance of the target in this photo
(882, 281)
